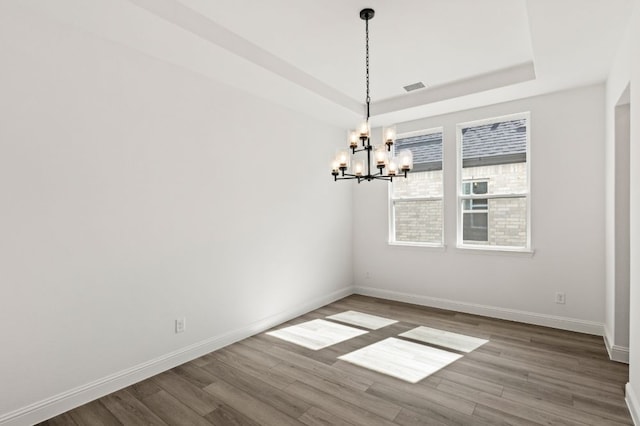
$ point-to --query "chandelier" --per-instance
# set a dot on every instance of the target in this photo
(344, 167)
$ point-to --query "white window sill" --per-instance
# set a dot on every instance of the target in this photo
(430, 246)
(499, 251)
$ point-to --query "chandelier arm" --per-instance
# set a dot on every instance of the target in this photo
(355, 151)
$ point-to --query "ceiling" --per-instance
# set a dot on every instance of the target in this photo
(309, 55)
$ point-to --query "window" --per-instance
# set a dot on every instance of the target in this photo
(416, 202)
(475, 213)
(493, 176)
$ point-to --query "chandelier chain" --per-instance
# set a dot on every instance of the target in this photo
(367, 59)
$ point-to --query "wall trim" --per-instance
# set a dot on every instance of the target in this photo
(65, 401)
(563, 323)
(616, 353)
(633, 404)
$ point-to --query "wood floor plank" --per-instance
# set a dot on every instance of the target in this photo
(472, 382)
(411, 418)
(523, 368)
(227, 416)
(94, 413)
(311, 366)
(431, 403)
(144, 388)
(314, 416)
(129, 410)
(239, 362)
(259, 358)
(172, 411)
(249, 405)
(558, 409)
(261, 390)
(194, 374)
(63, 419)
(332, 404)
(527, 410)
(500, 418)
(601, 408)
(370, 403)
(525, 375)
(186, 392)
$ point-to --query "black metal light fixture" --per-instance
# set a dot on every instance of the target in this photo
(395, 166)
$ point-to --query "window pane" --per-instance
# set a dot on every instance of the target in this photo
(474, 227)
(414, 220)
(499, 178)
(494, 157)
(418, 221)
(426, 149)
(508, 222)
(479, 204)
(505, 223)
(480, 187)
(418, 184)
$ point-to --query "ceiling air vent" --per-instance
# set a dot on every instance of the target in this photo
(414, 86)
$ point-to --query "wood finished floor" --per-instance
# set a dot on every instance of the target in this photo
(525, 375)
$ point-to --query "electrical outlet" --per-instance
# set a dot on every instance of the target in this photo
(181, 324)
(561, 298)
(367, 275)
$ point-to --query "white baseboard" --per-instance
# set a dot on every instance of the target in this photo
(633, 403)
(616, 352)
(70, 399)
(563, 323)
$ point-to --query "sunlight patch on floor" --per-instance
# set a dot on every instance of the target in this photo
(316, 334)
(404, 360)
(372, 322)
(446, 339)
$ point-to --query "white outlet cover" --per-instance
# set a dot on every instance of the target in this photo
(181, 325)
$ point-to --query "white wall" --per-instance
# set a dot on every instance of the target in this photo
(626, 72)
(567, 195)
(617, 206)
(134, 192)
(617, 227)
(633, 389)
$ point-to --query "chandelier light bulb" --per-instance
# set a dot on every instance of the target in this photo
(343, 158)
(406, 160)
(358, 168)
(392, 167)
(389, 136)
(381, 156)
(364, 129)
(335, 165)
(353, 139)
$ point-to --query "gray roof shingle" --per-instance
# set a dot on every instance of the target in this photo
(486, 144)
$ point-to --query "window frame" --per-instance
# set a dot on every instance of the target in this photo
(391, 200)
(460, 197)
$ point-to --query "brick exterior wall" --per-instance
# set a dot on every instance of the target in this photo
(421, 221)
